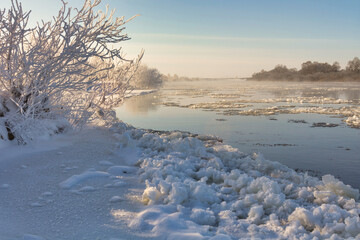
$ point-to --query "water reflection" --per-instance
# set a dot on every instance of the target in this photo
(283, 92)
(142, 105)
(352, 94)
(310, 92)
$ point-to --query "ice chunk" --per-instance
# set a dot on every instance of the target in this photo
(151, 195)
(304, 216)
(338, 187)
(205, 194)
(352, 225)
(218, 188)
(255, 214)
(203, 217)
(178, 193)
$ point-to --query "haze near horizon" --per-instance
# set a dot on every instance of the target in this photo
(233, 38)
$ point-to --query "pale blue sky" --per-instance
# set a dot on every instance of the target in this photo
(224, 38)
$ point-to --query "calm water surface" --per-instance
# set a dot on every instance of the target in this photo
(287, 138)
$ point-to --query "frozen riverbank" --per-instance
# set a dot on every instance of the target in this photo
(306, 126)
(91, 185)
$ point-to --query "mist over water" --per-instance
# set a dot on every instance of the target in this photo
(301, 125)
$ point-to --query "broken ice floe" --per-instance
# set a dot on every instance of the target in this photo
(347, 109)
(230, 193)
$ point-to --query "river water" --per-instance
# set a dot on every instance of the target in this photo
(301, 125)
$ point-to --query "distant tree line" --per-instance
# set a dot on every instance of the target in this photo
(150, 78)
(313, 71)
(175, 77)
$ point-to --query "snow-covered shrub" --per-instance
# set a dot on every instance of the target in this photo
(146, 78)
(60, 71)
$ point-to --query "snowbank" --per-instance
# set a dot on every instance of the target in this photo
(196, 189)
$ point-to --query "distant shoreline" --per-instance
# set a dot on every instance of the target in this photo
(319, 77)
(312, 72)
(266, 79)
(302, 80)
(207, 79)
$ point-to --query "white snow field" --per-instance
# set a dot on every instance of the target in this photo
(127, 183)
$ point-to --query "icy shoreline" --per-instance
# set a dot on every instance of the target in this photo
(195, 188)
(191, 182)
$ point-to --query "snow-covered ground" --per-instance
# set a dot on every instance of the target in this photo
(68, 187)
(127, 183)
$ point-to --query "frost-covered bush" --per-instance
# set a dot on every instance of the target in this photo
(146, 78)
(61, 72)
